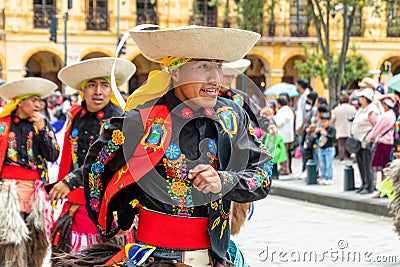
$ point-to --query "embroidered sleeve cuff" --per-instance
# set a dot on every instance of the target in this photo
(226, 178)
(70, 181)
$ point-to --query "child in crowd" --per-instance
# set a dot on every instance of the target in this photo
(326, 135)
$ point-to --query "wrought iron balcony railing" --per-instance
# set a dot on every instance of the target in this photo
(97, 19)
(146, 16)
(204, 20)
(298, 27)
(393, 27)
(41, 15)
(2, 19)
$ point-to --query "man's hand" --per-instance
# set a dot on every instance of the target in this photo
(38, 121)
(205, 178)
(59, 192)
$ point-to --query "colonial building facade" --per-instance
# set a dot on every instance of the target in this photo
(93, 28)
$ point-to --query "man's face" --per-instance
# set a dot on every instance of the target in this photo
(198, 82)
(97, 94)
(28, 106)
(299, 88)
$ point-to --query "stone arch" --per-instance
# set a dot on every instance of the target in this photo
(43, 63)
(2, 67)
(290, 73)
(260, 69)
(392, 56)
(133, 55)
(394, 66)
(370, 67)
(95, 53)
(288, 56)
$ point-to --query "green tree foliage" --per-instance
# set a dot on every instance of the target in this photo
(322, 13)
(356, 68)
(250, 15)
(315, 66)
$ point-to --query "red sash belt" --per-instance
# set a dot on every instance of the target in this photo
(77, 196)
(169, 231)
(19, 173)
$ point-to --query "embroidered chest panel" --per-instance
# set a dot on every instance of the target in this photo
(12, 151)
(179, 186)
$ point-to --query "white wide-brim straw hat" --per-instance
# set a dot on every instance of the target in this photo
(367, 93)
(75, 74)
(31, 85)
(193, 41)
(236, 67)
(368, 82)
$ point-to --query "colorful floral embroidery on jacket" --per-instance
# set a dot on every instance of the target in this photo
(261, 178)
(73, 139)
(212, 153)
(29, 151)
(97, 167)
(187, 113)
(12, 153)
(118, 137)
(179, 187)
(227, 178)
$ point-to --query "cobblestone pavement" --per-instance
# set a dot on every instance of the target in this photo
(287, 232)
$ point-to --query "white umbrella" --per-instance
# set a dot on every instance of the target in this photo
(394, 82)
(281, 88)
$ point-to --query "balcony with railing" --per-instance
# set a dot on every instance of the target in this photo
(298, 18)
(271, 28)
(358, 29)
(42, 14)
(144, 16)
(393, 27)
(201, 19)
(2, 19)
(97, 19)
(393, 20)
(298, 26)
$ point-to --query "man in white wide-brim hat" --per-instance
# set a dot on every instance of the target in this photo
(231, 70)
(27, 142)
(92, 78)
(180, 153)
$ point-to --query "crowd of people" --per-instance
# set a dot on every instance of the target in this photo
(314, 131)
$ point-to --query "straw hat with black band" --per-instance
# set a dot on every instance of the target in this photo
(20, 89)
(77, 75)
(197, 42)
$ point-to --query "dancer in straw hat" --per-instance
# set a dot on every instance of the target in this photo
(178, 156)
(240, 211)
(74, 230)
(27, 142)
(232, 70)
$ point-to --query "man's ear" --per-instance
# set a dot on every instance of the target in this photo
(175, 74)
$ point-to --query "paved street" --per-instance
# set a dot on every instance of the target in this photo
(291, 232)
